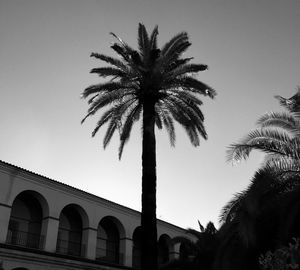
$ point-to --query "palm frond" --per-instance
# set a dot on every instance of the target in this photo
(269, 141)
(120, 50)
(104, 119)
(115, 113)
(210, 228)
(110, 60)
(292, 104)
(174, 43)
(124, 44)
(231, 208)
(158, 122)
(187, 117)
(177, 63)
(192, 85)
(296, 132)
(283, 167)
(109, 132)
(108, 98)
(202, 229)
(185, 96)
(104, 87)
(143, 41)
(167, 121)
(108, 71)
(164, 118)
(174, 54)
(153, 38)
(172, 51)
(190, 110)
(286, 121)
(186, 69)
(127, 127)
(192, 134)
(169, 125)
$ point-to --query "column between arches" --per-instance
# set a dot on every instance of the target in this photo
(89, 237)
(50, 230)
(5, 211)
(126, 246)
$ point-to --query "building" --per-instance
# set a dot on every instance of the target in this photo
(45, 224)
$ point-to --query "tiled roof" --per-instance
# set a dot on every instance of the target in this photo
(113, 204)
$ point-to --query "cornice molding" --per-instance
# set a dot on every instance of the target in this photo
(81, 194)
(62, 187)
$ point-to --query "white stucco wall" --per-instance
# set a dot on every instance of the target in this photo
(54, 196)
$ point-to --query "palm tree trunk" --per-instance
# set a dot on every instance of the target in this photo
(148, 216)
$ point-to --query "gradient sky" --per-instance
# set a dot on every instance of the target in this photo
(252, 49)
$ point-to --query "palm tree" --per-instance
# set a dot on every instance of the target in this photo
(278, 135)
(262, 217)
(159, 85)
(200, 252)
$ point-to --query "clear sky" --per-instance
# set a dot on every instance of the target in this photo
(252, 49)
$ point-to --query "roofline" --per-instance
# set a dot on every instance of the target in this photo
(50, 180)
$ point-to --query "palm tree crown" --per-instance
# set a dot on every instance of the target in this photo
(278, 135)
(148, 76)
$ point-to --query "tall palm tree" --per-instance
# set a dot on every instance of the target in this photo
(278, 135)
(159, 85)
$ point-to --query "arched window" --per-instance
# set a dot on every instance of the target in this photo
(25, 222)
(108, 241)
(136, 248)
(70, 232)
(163, 249)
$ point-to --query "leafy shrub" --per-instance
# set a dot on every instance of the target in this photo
(284, 258)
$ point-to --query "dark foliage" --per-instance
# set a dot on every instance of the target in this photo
(199, 253)
(266, 215)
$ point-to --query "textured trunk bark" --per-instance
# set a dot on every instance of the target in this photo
(148, 217)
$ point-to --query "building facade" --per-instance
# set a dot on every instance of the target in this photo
(45, 224)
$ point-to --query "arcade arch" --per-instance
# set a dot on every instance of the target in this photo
(72, 221)
(109, 233)
(164, 248)
(26, 220)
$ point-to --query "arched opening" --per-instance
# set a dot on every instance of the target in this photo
(26, 220)
(69, 240)
(183, 252)
(136, 248)
(108, 241)
(163, 249)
